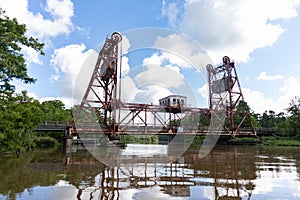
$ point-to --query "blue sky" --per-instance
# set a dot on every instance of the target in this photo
(262, 37)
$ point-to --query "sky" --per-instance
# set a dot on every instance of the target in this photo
(166, 46)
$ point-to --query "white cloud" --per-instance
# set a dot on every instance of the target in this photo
(235, 28)
(73, 65)
(151, 94)
(125, 45)
(125, 65)
(289, 90)
(156, 78)
(155, 59)
(156, 74)
(182, 51)
(19, 87)
(259, 103)
(38, 25)
(170, 11)
(30, 55)
(68, 62)
(203, 91)
(142, 92)
(264, 76)
(128, 89)
(53, 19)
(68, 59)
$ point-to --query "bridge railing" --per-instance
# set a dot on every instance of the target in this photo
(57, 123)
(53, 126)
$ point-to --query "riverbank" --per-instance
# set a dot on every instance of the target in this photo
(198, 140)
(36, 142)
(278, 141)
(266, 141)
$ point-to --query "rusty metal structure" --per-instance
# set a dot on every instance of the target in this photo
(100, 95)
(225, 89)
(101, 109)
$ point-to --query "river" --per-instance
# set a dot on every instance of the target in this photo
(227, 172)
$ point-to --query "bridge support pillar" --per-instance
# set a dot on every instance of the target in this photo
(68, 140)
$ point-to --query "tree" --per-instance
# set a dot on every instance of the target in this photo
(19, 115)
(54, 110)
(291, 126)
(17, 118)
(294, 108)
(243, 111)
(12, 62)
(270, 119)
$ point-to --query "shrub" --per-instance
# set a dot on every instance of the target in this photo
(44, 142)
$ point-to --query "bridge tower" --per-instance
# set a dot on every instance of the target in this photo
(225, 89)
(101, 92)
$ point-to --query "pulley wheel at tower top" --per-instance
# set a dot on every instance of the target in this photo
(226, 60)
(209, 68)
(116, 37)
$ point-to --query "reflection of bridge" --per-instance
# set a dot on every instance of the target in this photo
(229, 175)
(102, 103)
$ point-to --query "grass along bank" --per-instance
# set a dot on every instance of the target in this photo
(279, 141)
(267, 141)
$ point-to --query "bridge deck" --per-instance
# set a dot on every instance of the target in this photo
(92, 128)
(53, 126)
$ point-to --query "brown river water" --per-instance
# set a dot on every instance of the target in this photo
(227, 172)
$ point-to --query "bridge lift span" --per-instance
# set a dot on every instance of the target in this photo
(102, 111)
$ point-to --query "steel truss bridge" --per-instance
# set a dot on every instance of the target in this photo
(58, 126)
(102, 111)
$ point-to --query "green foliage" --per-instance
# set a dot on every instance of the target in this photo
(45, 142)
(54, 110)
(288, 126)
(197, 141)
(141, 139)
(174, 122)
(12, 62)
(270, 119)
(19, 115)
(204, 120)
(243, 111)
(58, 136)
(291, 126)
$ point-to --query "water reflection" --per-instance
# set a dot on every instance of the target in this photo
(228, 172)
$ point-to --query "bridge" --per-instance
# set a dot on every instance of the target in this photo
(103, 112)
